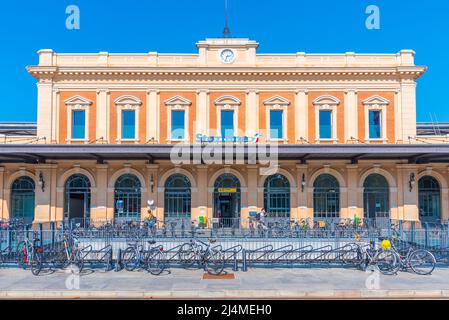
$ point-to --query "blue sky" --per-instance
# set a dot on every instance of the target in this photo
(318, 26)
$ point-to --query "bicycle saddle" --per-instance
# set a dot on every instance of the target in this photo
(152, 242)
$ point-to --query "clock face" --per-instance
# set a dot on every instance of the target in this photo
(227, 56)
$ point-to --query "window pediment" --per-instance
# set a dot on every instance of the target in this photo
(376, 100)
(78, 101)
(178, 102)
(227, 101)
(276, 101)
(128, 101)
(326, 101)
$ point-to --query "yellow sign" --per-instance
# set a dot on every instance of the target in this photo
(227, 190)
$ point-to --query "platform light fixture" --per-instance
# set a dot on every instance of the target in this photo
(41, 181)
(412, 181)
(303, 182)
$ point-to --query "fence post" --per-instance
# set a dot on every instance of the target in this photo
(426, 234)
(52, 232)
(236, 265)
(401, 228)
(9, 238)
(244, 264)
(118, 261)
(41, 233)
(412, 229)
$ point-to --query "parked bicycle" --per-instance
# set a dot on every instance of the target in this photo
(211, 259)
(71, 254)
(385, 259)
(30, 253)
(420, 261)
(152, 260)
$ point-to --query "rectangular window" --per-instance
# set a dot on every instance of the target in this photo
(375, 125)
(178, 125)
(78, 125)
(276, 125)
(227, 124)
(325, 124)
(128, 125)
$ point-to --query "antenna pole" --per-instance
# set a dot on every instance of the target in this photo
(226, 31)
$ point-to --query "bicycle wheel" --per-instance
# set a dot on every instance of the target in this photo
(214, 263)
(60, 260)
(36, 263)
(388, 262)
(422, 262)
(130, 259)
(156, 263)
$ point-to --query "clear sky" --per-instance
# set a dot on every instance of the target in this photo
(280, 26)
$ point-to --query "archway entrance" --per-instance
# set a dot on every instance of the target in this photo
(22, 199)
(77, 198)
(429, 199)
(227, 197)
(376, 195)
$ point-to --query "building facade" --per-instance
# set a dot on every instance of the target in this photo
(343, 127)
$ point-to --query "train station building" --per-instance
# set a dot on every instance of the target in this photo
(222, 133)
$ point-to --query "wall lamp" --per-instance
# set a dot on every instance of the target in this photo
(41, 181)
(152, 183)
(411, 182)
(303, 182)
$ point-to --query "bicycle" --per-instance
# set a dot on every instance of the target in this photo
(152, 260)
(421, 261)
(385, 259)
(198, 252)
(71, 254)
(30, 253)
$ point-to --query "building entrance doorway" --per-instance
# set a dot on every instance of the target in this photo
(227, 202)
(77, 199)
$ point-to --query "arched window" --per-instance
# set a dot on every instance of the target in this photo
(77, 197)
(429, 199)
(326, 197)
(376, 196)
(277, 196)
(178, 198)
(22, 199)
(127, 197)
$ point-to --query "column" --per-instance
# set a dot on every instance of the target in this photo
(202, 195)
(43, 197)
(152, 116)
(397, 117)
(301, 115)
(53, 196)
(44, 109)
(254, 194)
(354, 193)
(54, 116)
(102, 114)
(302, 211)
(409, 199)
(252, 113)
(201, 112)
(152, 183)
(351, 125)
(2, 194)
(408, 105)
(100, 194)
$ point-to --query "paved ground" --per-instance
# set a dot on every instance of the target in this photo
(256, 283)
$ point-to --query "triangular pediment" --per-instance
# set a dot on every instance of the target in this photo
(128, 100)
(276, 100)
(376, 100)
(178, 100)
(78, 100)
(227, 100)
(326, 100)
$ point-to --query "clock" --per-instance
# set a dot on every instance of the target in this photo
(227, 56)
